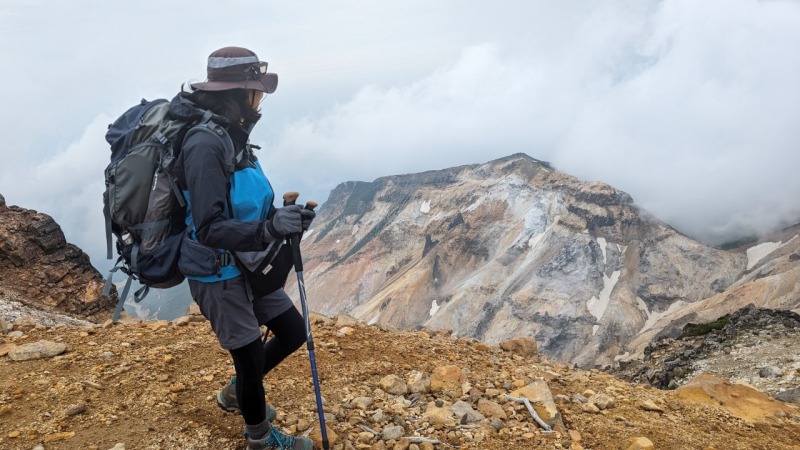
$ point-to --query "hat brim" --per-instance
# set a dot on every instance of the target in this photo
(266, 83)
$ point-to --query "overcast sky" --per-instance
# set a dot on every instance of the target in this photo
(692, 107)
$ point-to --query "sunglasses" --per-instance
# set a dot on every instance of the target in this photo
(258, 68)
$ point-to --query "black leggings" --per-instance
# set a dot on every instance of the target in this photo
(255, 360)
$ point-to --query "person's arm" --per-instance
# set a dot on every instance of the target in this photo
(207, 183)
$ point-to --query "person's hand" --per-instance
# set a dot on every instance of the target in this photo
(287, 220)
(308, 216)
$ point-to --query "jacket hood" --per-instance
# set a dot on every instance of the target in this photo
(181, 108)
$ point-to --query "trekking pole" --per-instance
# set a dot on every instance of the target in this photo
(289, 199)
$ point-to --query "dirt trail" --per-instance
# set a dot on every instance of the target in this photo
(151, 386)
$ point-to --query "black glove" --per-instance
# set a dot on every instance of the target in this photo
(287, 220)
(308, 215)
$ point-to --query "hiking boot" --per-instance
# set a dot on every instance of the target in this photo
(226, 399)
(274, 439)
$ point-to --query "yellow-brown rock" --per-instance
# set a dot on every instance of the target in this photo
(641, 443)
(448, 379)
(524, 346)
(744, 402)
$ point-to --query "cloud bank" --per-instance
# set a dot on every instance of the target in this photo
(690, 107)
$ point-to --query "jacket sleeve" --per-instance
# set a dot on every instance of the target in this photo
(207, 182)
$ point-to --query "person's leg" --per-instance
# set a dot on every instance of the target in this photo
(290, 333)
(249, 364)
(227, 306)
(260, 434)
(278, 313)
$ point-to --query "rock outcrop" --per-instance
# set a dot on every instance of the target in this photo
(39, 269)
(506, 249)
(754, 346)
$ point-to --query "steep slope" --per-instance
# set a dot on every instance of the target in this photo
(507, 248)
(39, 269)
(770, 279)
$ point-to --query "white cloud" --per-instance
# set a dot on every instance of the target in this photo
(69, 187)
(689, 106)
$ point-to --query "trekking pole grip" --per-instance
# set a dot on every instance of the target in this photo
(290, 198)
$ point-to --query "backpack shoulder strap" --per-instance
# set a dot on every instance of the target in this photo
(231, 158)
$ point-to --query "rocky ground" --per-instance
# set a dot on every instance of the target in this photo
(151, 386)
(754, 346)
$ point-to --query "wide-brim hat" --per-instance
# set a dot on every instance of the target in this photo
(237, 68)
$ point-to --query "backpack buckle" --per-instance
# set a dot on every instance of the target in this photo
(224, 259)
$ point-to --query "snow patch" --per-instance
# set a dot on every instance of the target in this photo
(434, 307)
(338, 240)
(425, 208)
(655, 317)
(597, 306)
(594, 329)
(374, 319)
(602, 243)
(757, 253)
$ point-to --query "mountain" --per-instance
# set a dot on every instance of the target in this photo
(514, 248)
(770, 279)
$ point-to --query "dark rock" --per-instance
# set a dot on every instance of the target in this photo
(790, 396)
(44, 272)
(667, 361)
(770, 372)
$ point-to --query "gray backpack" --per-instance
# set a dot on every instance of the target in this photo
(143, 206)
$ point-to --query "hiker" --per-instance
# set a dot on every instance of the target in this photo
(230, 215)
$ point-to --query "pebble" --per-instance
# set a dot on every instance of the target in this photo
(345, 331)
(392, 432)
(770, 372)
(37, 350)
(418, 382)
(392, 384)
(602, 401)
(491, 409)
(465, 413)
(649, 405)
(641, 443)
(362, 402)
(75, 410)
(590, 408)
(578, 398)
